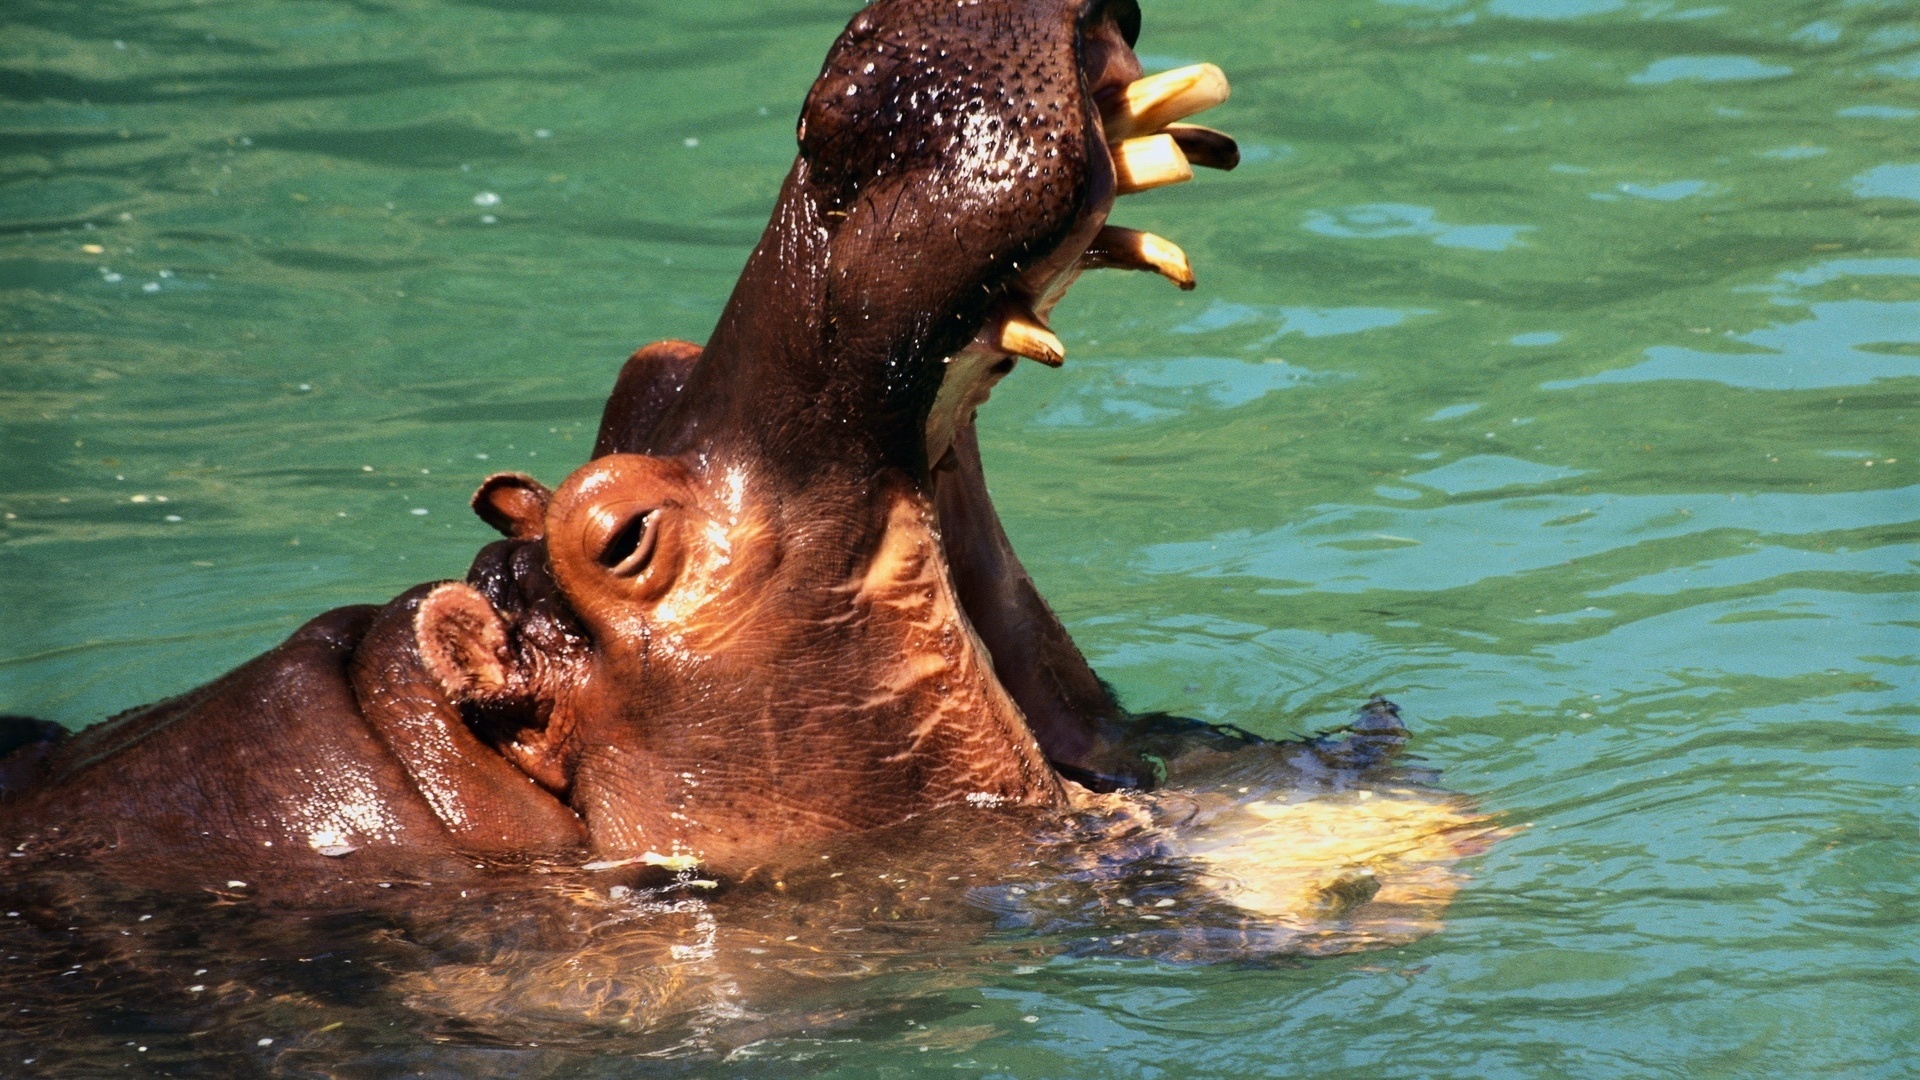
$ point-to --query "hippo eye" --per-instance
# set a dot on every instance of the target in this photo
(631, 546)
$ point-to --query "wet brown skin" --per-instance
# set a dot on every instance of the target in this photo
(1080, 725)
(778, 605)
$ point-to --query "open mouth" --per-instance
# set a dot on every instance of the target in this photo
(1147, 145)
(958, 163)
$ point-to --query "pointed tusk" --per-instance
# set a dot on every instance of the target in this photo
(1149, 162)
(1022, 333)
(1149, 104)
(1129, 249)
(1206, 147)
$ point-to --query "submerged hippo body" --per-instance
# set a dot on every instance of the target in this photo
(777, 605)
(338, 742)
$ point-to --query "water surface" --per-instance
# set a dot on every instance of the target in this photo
(1555, 370)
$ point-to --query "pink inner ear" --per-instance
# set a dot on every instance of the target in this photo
(514, 503)
(463, 642)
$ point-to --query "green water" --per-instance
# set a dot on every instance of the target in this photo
(1555, 369)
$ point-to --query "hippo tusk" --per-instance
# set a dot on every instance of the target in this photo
(1148, 162)
(1130, 249)
(1149, 104)
(1021, 333)
(1205, 147)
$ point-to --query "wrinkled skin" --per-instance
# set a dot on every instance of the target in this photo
(777, 606)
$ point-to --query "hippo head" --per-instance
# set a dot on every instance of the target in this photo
(740, 625)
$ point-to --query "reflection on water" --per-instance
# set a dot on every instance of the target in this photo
(1149, 390)
(1708, 69)
(1889, 182)
(1458, 545)
(1305, 321)
(1382, 220)
(1844, 343)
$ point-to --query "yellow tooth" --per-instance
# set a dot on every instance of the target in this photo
(1167, 259)
(1149, 104)
(1205, 146)
(1023, 334)
(1130, 249)
(1148, 162)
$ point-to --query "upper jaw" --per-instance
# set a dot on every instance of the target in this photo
(955, 175)
(1036, 117)
(1138, 145)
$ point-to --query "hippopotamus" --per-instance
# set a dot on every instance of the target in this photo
(777, 605)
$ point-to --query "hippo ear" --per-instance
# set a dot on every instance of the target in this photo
(514, 503)
(463, 642)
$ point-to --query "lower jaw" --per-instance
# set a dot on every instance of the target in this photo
(970, 378)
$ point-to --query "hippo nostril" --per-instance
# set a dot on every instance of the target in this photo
(630, 548)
